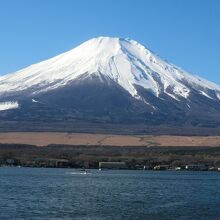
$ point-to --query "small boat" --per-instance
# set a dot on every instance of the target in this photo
(79, 172)
(85, 172)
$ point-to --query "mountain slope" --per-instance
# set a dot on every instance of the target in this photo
(109, 80)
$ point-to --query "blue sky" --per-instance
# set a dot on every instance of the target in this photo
(185, 32)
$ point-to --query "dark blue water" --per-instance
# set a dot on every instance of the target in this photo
(40, 193)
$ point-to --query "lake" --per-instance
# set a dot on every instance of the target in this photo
(43, 193)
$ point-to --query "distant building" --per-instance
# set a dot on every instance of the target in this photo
(213, 169)
(112, 165)
(141, 167)
(161, 167)
(10, 162)
(197, 167)
(50, 163)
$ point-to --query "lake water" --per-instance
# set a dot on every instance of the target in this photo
(40, 193)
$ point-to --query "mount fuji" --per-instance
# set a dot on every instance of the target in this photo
(108, 84)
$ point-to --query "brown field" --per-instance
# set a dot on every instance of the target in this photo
(46, 138)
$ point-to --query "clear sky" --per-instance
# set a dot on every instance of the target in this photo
(185, 32)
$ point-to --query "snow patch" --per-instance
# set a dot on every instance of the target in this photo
(147, 103)
(172, 96)
(8, 105)
(34, 100)
(218, 95)
(205, 94)
(181, 91)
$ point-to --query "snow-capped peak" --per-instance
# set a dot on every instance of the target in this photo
(125, 61)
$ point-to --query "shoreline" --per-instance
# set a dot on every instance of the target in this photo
(133, 157)
(106, 170)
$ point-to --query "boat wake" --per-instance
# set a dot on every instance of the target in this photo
(78, 173)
